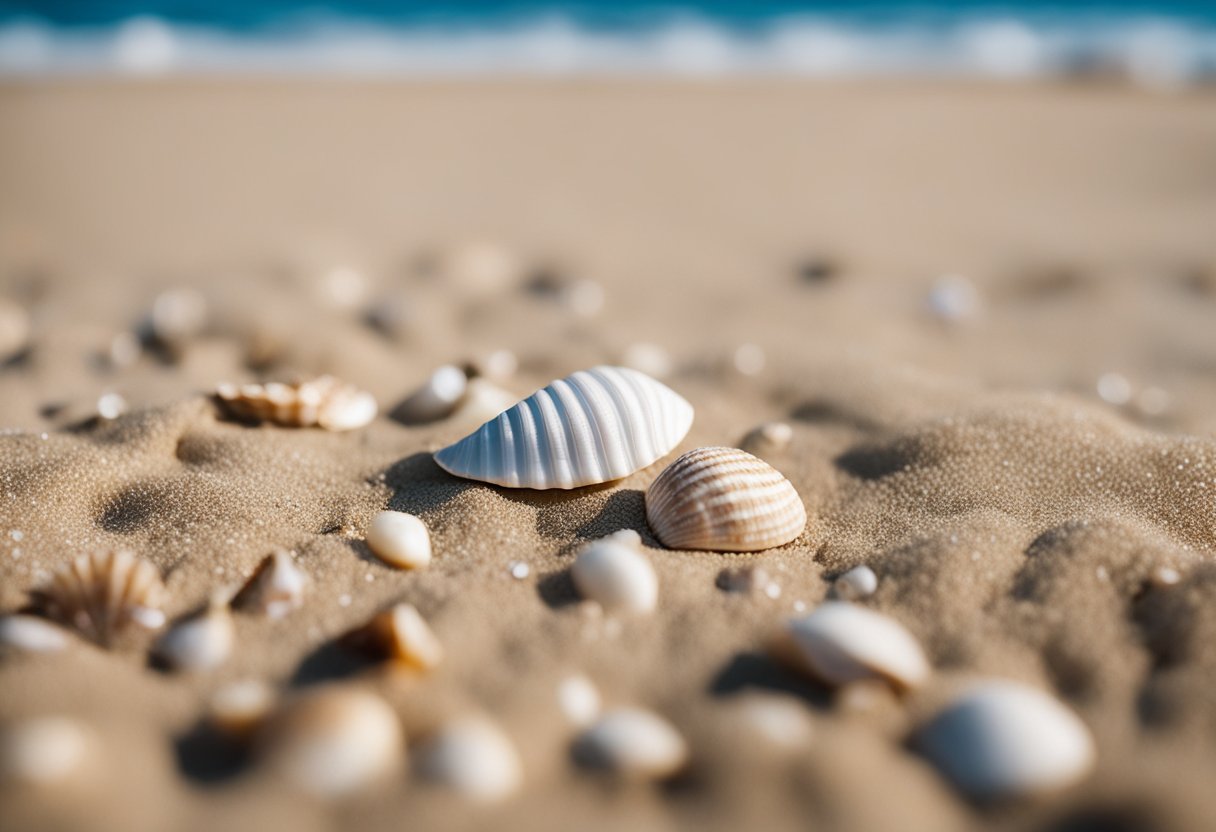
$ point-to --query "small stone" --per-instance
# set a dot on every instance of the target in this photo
(632, 743)
(400, 540)
(1164, 576)
(519, 570)
(579, 700)
(239, 708)
(859, 582)
(474, 758)
(616, 575)
(744, 579)
(31, 634)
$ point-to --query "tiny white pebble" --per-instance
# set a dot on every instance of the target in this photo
(749, 359)
(578, 699)
(344, 600)
(520, 570)
(858, 582)
(1114, 388)
(616, 575)
(111, 406)
(399, 540)
(773, 590)
(473, 757)
(1165, 576)
(632, 743)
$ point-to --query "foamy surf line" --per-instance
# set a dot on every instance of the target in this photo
(1156, 52)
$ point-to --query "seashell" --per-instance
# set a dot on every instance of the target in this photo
(199, 643)
(323, 401)
(1004, 739)
(276, 587)
(103, 594)
(473, 757)
(616, 575)
(42, 751)
(858, 582)
(14, 329)
(31, 634)
(632, 743)
(767, 438)
(745, 580)
(840, 643)
(238, 708)
(724, 500)
(333, 741)
(402, 634)
(399, 540)
(594, 426)
(579, 700)
(435, 399)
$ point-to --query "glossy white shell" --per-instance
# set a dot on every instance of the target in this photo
(104, 593)
(594, 426)
(613, 573)
(1004, 739)
(399, 539)
(723, 500)
(199, 643)
(840, 642)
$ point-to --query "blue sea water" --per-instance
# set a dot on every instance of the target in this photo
(1165, 43)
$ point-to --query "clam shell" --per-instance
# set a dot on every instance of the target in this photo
(323, 402)
(1004, 739)
(613, 573)
(840, 643)
(103, 594)
(276, 587)
(473, 757)
(632, 743)
(399, 539)
(594, 426)
(333, 741)
(724, 500)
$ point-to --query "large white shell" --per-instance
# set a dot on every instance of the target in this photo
(104, 593)
(723, 500)
(840, 642)
(1004, 739)
(594, 426)
(276, 587)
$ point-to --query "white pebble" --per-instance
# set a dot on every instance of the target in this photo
(41, 751)
(1114, 388)
(519, 570)
(200, 643)
(436, 398)
(1004, 739)
(778, 722)
(632, 743)
(30, 634)
(579, 700)
(953, 299)
(858, 582)
(473, 757)
(749, 359)
(617, 576)
(111, 406)
(400, 540)
(839, 642)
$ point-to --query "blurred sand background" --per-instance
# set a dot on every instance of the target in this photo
(1012, 513)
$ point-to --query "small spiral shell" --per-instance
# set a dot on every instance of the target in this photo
(724, 500)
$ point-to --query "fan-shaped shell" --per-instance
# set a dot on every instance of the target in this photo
(104, 593)
(594, 426)
(723, 500)
(323, 401)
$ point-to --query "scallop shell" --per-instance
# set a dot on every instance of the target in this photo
(724, 500)
(594, 426)
(103, 594)
(1004, 739)
(323, 401)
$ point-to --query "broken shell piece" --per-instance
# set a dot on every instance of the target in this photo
(768, 438)
(858, 582)
(201, 642)
(323, 401)
(333, 741)
(723, 500)
(1004, 739)
(579, 700)
(594, 426)
(276, 587)
(31, 634)
(473, 757)
(399, 539)
(435, 399)
(402, 634)
(840, 643)
(42, 751)
(238, 708)
(104, 594)
(617, 576)
(632, 743)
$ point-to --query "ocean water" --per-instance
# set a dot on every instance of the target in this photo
(1163, 44)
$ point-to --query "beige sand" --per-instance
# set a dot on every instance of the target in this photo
(1012, 516)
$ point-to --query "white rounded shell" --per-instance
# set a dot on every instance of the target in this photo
(594, 426)
(632, 743)
(725, 500)
(1004, 739)
(840, 642)
(617, 576)
(474, 758)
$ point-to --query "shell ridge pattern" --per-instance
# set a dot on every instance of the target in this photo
(603, 467)
(574, 426)
(628, 414)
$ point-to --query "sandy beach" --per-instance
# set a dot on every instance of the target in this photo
(985, 310)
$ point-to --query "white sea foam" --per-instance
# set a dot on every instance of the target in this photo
(1157, 52)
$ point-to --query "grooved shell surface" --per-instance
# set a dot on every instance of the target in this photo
(103, 593)
(725, 500)
(594, 426)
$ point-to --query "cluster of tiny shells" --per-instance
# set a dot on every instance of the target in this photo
(594, 426)
(103, 594)
(725, 500)
(324, 402)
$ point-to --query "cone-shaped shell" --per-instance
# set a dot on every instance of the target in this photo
(104, 593)
(594, 426)
(723, 500)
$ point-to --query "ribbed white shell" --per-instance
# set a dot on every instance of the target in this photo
(723, 500)
(594, 426)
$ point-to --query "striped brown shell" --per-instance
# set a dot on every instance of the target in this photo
(723, 500)
(103, 594)
(323, 402)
